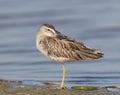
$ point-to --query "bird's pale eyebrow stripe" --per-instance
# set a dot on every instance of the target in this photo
(51, 30)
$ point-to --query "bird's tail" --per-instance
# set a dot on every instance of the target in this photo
(95, 54)
(90, 53)
(98, 53)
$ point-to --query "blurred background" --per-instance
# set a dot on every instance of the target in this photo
(94, 22)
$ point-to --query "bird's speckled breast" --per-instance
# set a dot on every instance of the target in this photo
(41, 47)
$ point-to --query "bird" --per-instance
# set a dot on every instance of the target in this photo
(62, 48)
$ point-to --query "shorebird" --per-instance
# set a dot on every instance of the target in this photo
(62, 48)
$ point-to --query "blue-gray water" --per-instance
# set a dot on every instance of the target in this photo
(94, 22)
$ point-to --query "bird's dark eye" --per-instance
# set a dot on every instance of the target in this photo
(48, 29)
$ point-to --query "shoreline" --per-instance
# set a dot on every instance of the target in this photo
(6, 88)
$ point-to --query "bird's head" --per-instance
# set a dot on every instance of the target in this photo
(47, 30)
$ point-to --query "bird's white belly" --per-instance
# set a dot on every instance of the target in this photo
(61, 59)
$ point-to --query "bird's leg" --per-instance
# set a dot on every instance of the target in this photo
(63, 76)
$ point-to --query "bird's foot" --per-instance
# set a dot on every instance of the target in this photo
(61, 87)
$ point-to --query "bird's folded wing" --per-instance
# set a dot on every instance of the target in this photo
(69, 48)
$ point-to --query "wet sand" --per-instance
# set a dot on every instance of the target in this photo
(6, 88)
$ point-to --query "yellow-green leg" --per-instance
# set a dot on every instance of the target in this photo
(63, 76)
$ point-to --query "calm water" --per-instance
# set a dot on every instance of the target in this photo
(94, 22)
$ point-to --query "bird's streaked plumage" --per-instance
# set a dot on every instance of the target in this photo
(62, 48)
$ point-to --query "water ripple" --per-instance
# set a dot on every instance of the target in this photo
(17, 51)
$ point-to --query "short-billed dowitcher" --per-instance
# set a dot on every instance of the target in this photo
(62, 48)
